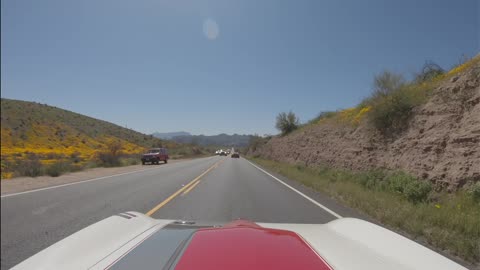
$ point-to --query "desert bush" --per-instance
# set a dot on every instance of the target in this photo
(77, 167)
(106, 159)
(110, 157)
(409, 187)
(114, 148)
(322, 115)
(75, 157)
(58, 168)
(287, 122)
(399, 181)
(372, 179)
(130, 161)
(417, 191)
(31, 167)
(6, 169)
(256, 142)
(429, 71)
(53, 155)
(390, 114)
(386, 83)
(196, 151)
(474, 192)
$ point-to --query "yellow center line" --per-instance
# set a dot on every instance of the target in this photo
(190, 188)
(160, 205)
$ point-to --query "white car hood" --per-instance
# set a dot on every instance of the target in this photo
(350, 243)
(345, 243)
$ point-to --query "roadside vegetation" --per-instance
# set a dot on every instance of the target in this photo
(38, 164)
(38, 139)
(287, 122)
(447, 221)
(393, 99)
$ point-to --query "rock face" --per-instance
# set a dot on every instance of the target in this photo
(441, 144)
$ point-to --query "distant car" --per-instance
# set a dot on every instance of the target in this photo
(132, 240)
(235, 155)
(155, 155)
(223, 153)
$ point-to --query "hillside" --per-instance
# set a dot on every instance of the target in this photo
(438, 139)
(37, 131)
(223, 140)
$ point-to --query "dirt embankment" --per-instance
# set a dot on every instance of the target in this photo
(441, 143)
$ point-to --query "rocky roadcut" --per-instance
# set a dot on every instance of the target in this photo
(441, 144)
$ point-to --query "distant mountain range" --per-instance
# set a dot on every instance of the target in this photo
(235, 140)
(170, 135)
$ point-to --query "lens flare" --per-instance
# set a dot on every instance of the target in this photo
(210, 29)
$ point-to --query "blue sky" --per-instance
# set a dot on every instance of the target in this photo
(150, 66)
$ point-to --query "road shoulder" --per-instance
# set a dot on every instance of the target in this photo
(23, 184)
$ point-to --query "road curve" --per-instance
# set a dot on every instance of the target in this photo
(213, 189)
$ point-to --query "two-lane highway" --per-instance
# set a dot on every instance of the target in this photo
(214, 189)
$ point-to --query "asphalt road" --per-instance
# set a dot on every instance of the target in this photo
(214, 189)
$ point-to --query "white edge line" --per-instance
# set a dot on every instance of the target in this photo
(74, 183)
(300, 193)
(79, 182)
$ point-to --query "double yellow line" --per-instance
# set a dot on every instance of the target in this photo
(185, 189)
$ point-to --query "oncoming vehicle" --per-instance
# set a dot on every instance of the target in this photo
(155, 155)
(132, 240)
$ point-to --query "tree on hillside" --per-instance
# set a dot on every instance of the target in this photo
(429, 71)
(386, 83)
(287, 122)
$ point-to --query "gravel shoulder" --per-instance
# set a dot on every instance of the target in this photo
(20, 184)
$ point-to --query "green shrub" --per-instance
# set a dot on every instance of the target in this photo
(409, 187)
(417, 191)
(58, 168)
(399, 181)
(475, 192)
(372, 179)
(287, 122)
(390, 114)
(386, 83)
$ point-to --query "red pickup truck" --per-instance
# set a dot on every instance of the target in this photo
(155, 155)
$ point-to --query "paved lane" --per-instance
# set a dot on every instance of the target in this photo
(30, 222)
(236, 189)
(222, 189)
